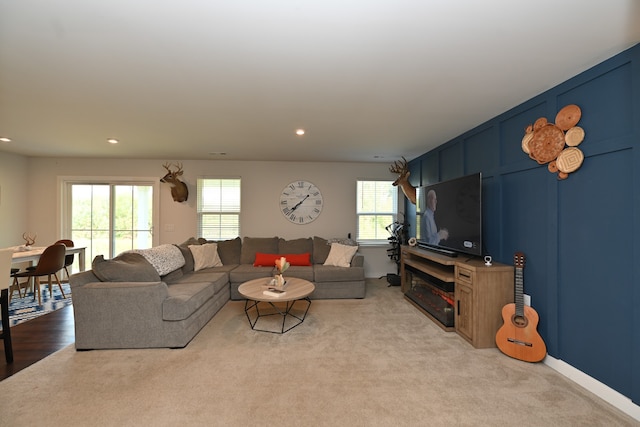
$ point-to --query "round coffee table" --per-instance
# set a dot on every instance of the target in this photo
(265, 308)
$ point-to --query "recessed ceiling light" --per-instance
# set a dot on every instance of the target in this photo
(112, 141)
(4, 139)
(299, 132)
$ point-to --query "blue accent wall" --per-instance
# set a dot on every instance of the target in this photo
(578, 235)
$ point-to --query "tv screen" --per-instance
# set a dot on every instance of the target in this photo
(449, 215)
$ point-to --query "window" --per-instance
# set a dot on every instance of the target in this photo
(218, 208)
(377, 208)
(109, 217)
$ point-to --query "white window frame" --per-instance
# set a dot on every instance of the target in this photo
(221, 210)
(64, 184)
(383, 239)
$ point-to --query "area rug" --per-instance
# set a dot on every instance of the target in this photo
(27, 308)
(373, 362)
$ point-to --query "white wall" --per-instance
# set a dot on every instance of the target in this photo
(262, 183)
(14, 180)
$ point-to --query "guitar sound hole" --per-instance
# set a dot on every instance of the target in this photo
(519, 321)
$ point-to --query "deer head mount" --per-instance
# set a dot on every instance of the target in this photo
(402, 169)
(179, 190)
(29, 239)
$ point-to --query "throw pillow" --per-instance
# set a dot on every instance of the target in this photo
(188, 258)
(269, 260)
(205, 256)
(164, 258)
(126, 267)
(321, 250)
(229, 250)
(295, 246)
(252, 245)
(342, 241)
(340, 255)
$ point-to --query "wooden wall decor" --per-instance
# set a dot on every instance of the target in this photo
(556, 143)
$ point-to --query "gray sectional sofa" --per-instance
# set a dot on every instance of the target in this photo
(163, 296)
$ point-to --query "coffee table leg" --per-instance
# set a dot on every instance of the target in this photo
(251, 305)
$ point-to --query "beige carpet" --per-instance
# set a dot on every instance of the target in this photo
(371, 362)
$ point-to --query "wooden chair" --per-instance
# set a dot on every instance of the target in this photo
(5, 280)
(68, 259)
(51, 261)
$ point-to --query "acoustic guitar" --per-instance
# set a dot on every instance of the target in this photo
(518, 337)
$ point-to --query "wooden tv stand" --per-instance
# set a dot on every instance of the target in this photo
(473, 291)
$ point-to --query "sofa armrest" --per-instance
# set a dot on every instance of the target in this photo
(357, 260)
(117, 314)
(117, 299)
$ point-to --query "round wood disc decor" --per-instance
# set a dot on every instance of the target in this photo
(574, 136)
(568, 117)
(569, 159)
(547, 143)
(542, 121)
(525, 142)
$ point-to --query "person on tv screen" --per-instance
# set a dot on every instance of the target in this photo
(431, 233)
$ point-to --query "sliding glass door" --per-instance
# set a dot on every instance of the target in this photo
(109, 218)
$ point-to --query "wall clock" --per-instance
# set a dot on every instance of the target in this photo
(301, 202)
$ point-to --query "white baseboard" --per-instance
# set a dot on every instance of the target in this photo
(601, 390)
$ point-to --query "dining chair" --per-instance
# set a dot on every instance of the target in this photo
(5, 281)
(17, 285)
(68, 259)
(51, 261)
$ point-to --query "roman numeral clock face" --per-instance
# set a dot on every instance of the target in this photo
(301, 202)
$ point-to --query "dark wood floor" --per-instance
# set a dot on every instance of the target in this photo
(38, 338)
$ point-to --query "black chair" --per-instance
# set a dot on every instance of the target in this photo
(16, 285)
(51, 261)
(5, 280)
(68, 259)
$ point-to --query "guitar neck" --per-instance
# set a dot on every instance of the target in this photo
(519, 296)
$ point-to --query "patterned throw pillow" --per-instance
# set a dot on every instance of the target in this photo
(340, 255)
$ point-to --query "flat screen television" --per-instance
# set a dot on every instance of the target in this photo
(449, 216)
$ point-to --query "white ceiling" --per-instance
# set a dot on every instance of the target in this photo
(370, 80)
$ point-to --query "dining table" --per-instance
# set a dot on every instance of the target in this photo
(32, 254)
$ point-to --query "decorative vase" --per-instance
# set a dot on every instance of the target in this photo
(278, 281)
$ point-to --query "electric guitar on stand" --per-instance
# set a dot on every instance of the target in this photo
(518, 337)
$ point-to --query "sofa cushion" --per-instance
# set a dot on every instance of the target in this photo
(321, 250)
(229, 251)
(268, 260)
(253, 245)
(295, 246)
(172, 277)
(219, 280)
(126, 267)
(329, 273)
(245, 272)
(340, 255)
(301, 272)
(164, 258)
(185, 299)
(188, 258)
(205, 256)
